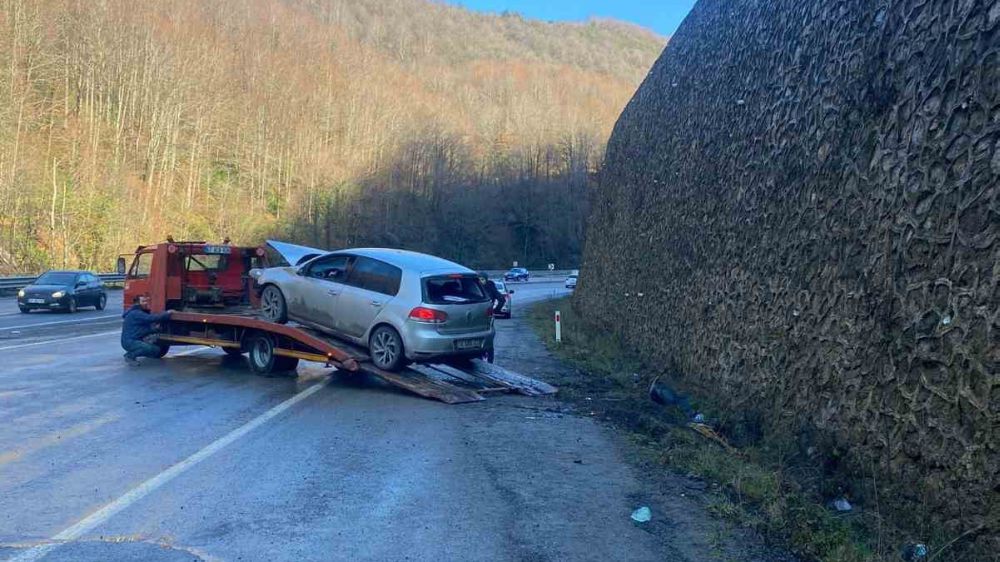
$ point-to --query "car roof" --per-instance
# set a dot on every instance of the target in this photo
(405, 259)
(73, 271)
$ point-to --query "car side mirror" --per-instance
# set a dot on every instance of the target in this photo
(81, 284)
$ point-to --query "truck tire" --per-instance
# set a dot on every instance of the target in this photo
(273, 306)
(262, 358)
(386, 348)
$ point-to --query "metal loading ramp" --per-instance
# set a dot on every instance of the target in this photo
(451, 384)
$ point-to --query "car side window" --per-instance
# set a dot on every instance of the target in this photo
(375, 275)
(330, 268)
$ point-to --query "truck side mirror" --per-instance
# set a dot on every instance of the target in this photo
(120, 266)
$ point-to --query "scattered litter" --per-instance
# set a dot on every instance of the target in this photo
(665, 396)
(914, 552)
(699, 418)
(841, 505)
(740, 102)
(642, 515)
(946, 320)
(589, 398)
(578, 461)
(709, 433)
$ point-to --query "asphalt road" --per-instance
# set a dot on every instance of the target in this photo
(193, 457)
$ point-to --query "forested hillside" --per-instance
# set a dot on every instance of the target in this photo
(370, 122)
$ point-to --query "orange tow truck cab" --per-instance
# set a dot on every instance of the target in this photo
(183, 275)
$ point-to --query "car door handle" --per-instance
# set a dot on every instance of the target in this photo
(332, 293)
(375, 303)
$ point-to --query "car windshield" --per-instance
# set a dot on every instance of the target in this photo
(454, 289)
(56, 278)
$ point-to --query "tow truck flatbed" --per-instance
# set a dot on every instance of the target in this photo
(214, 303)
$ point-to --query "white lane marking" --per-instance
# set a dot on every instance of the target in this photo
(59, 340)
(80, 321)
(88, 523)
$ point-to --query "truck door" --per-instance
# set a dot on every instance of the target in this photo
(137, 278)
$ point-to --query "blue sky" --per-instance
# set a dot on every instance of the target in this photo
(662, 16)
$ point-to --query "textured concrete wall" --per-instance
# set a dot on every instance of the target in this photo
(805, 192)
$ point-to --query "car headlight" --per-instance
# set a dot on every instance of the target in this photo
(58, 294)
(20, 294)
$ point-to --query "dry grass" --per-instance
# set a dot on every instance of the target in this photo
(763, 484)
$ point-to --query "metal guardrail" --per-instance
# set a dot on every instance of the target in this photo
(14, 283)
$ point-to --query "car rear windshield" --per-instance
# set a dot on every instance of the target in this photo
(56, 278)
(453, 289)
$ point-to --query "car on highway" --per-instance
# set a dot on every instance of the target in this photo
(571, 281)
(506, 291)
(402, 306)
(63, 290)
(516, 274)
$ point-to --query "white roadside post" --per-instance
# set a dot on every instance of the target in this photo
(558, 327)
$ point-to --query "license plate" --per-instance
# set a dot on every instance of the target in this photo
(217, 249)
(36, 301)
(469, 344)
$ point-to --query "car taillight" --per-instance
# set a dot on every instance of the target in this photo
(428, 315)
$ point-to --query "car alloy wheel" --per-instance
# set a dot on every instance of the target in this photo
(386, 348)
(272, 305)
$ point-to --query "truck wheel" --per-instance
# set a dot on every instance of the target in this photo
(386, 348)
(101, 302)
(261, 353)
(272, 305)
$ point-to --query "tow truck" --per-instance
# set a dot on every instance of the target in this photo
(215, 303)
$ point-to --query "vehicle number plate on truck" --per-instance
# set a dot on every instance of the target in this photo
(469, 344)
(36, 301)
(217, 249)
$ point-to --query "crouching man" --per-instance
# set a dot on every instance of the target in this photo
(137, 324)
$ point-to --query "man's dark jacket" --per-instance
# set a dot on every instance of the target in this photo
(137, 323)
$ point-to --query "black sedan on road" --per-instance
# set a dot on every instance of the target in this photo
(63, 290)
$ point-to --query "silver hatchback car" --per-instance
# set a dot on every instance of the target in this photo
(403, 306)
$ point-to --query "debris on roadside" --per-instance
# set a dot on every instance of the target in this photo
(841, 505)
(666, 396)
(642, 515)
(709, 433)
(699, 418)
(915, 552)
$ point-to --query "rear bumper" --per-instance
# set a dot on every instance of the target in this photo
(423, 343)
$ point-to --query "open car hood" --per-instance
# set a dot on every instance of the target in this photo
(293, 254)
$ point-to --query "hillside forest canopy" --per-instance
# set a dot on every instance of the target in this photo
(400, 123)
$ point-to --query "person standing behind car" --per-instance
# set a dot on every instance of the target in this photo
(137, 323)
(498, 298)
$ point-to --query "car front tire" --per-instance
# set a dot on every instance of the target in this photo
(71, 307)
(386, 348)
(273, 306)
(102, 301)
(24, 309)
